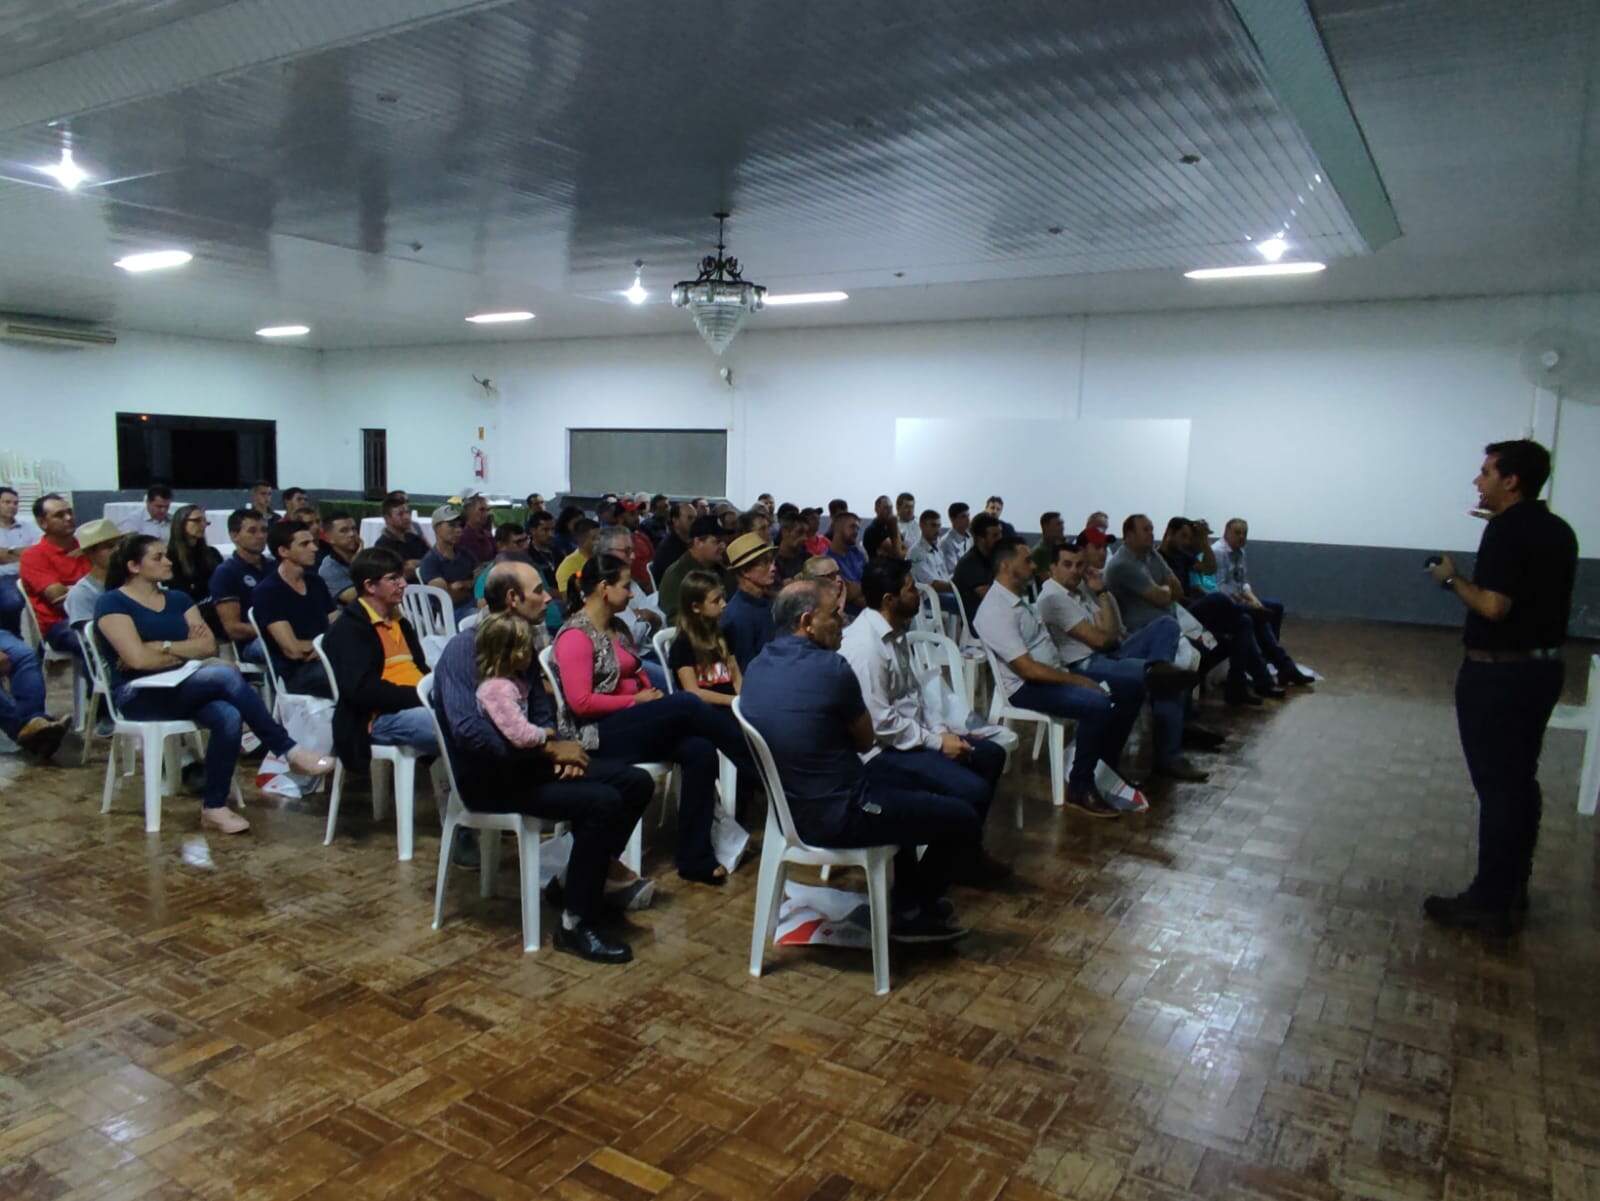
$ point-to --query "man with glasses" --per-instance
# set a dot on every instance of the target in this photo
(50, 569)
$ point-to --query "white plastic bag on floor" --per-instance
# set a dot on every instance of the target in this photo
(553, 856)
(309, 722)
(728, 839)
(812, 916)
(1121, 794)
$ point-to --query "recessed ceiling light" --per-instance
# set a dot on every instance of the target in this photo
(807, 298)
(1256, 272)
(637, 294)
(500, 318)
(282, 331)
(67, 173)
(1271, 249)
(154, 260)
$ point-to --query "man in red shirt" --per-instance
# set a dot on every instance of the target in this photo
(50, 567)
(643, 548)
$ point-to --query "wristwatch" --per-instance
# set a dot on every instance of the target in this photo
(166, 647)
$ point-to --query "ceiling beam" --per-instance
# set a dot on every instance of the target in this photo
(207, 46)
(1298, 69)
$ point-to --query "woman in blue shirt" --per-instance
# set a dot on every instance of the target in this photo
(147, 629)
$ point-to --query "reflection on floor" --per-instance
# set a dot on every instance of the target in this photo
(1234, 996)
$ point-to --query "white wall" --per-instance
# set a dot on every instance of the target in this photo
(1350, 424)
(62, 404)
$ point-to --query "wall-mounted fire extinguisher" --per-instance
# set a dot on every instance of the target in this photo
(480, 464)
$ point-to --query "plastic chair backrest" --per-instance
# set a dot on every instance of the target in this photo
(430, 610)
(31, 633)
(769, 775)
(927, 651)
(928, 609)
(266, 654)
(425, 692)
(470, 621)
(97, 664)
(547, 664)
(663, 641)
(967, 636)
(327, 668)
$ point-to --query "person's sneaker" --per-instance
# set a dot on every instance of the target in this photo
(223, 820)
(41, 736)
(1198, 738)
(1466, 912)
(926, 925)
(982, 870)
(1090, 803)
(465, 852)
(631, 896)
(1294, 676)
(584, 941)
(1180, 768)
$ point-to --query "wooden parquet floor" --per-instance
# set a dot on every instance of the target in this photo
(1234, 996)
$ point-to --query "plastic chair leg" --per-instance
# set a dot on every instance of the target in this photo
(633, 853)
(380, 793)
(1038, 738)
(727, 783)
(528, 856)
(91, 714)
(1058, 766)
(445, 841)
(111, 776)
(488, 860)
(769, 895)
(333, 801)
(1589, 778)
(155, 753)
(878, 903)
(405, 791)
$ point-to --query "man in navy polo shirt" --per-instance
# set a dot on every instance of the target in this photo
(235, 580)
(292, 606)
(805, 700)
(852, 560)
(747, 621)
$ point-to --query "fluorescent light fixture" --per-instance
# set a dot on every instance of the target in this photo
(806, 298)
(500, 318)
(1255, 272)
(1271, 249)
(282, 331)
(67, 173)
(154, 260)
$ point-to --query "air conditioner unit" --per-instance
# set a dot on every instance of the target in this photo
(60, 334)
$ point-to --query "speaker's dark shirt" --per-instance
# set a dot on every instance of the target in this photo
(1530, 555)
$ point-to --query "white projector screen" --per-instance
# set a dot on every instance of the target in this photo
(1074, 467)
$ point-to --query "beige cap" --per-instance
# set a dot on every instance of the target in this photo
(94, 533)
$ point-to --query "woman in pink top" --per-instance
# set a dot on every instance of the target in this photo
(612, 710)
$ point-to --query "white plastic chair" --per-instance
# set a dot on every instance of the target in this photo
(662, 774)
(430, 610)
(935, 652)
(150, 737)
(782, 845)
(490, 826)
(470, 621)
(727, 773)
(33, 636)
(402, 761)
(274, 684)
(972, 651)
(1053, 729)
(1586, 718)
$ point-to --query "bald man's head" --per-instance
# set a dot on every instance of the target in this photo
(517, 588)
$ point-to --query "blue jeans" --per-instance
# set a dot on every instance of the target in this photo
(10, 605)
(972, 779)
(1104, 723)
(251, 652)
(216, 699)
(1123, 671)
(409, 727)
(1229, 621)
(24, 700)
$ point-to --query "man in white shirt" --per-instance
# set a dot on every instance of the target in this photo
(156, 520)
(15, 537)
(915, 749)
(1086, 641)
(1031, 674)
(959, 540)
(928, 565)
(1266, 616)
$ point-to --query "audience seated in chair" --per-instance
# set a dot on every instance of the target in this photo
(542, 775)
(705, 554)
(658, 521)
(805, 701)
(477, 528)
(447, 566)
(541, 545)
(643, 616)
(261, 501)
(816, 543)
(585, 533)
(1052, 533)
(974, 574)
(343, 535)
(957, 541)
(149, 630)
(15, 537)
(194, 560)
(96, 542)
(917, 748)
(928, 562)
(1031, 675)
(995, 506)
(905, 510)
(234, 582)
(1088, 641)
(644, 549)
(1266, 616)
(613, 710)
(844, 550)
(746, 622)
(49, 568)
(791, 553)
(292, 607)
(1146, 588)
(674, 541)
(400, 534)
(881, 540)
(156, 520)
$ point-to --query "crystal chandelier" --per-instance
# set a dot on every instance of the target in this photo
(719, 299)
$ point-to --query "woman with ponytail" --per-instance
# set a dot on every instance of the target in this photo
(613, 710)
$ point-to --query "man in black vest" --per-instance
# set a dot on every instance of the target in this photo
(1518, 602)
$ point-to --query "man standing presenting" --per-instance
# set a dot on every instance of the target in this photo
(747, 621)
(14, 539)
(1518, 603)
